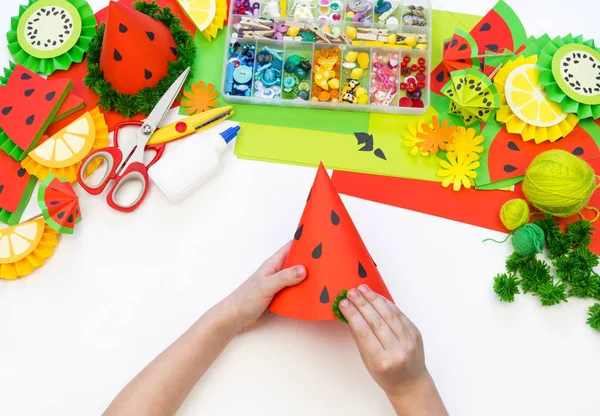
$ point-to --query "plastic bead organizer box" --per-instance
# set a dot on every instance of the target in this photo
(356, 55)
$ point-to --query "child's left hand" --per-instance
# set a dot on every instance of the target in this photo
(249, 302)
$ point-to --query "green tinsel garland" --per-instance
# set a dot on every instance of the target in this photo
(146, 99)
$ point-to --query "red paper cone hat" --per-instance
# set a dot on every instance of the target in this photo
(329, 246)
(136, 50)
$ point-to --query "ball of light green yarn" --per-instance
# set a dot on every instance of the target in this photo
(559, 183)
(514, 213)
(528, 240)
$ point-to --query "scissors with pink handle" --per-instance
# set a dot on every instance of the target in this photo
(126, 164)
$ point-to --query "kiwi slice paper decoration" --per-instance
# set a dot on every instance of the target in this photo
(16, 187)
(525, 107)
(63, 153)
(472, 95)
(25, 247)
(59, 204)
(51, 34)
(28, 105)
(570, 73)
(135, 57)
(329, 246)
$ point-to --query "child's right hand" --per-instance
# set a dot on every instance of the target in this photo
(392, 350)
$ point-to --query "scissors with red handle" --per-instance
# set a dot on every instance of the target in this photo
(126, 164)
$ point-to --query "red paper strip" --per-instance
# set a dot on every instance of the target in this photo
(480, 208)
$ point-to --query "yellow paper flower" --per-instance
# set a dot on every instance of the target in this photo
(200, 99)
(411, 140)
(464, 143)
(457, 171)
(435, 136)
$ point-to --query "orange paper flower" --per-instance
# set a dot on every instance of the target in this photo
(200, 99)
(435, 136)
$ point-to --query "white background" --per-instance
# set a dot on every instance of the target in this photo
(124, 286)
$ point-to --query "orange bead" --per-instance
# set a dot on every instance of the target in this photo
(324, 96)
(316, 91)
(334, 94)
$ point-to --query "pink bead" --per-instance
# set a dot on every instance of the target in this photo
(377, 65)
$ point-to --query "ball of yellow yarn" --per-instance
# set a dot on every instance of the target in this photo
(514, 213)
(559, 183)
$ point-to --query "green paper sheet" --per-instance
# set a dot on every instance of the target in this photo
(308, 137)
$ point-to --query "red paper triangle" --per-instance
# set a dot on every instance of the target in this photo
(329, 246)
(136, 50)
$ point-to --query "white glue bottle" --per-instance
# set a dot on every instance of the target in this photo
(184, 169)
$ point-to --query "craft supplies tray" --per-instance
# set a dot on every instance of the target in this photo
(355, 55)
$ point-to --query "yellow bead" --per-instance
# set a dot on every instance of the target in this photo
(293, 31)
(334, 100)
(422, 46)
(363, 99)
(360, 91)
(315, 99)
(356, 73)
(391, 39)
(351, 56)
(334, 84)
(351, 32)
(349, 15)
(326, 28)
(363, 60)
(411, 41)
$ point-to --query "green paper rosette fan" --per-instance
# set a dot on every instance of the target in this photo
(570, 73)
(59, 204)
(51, 34)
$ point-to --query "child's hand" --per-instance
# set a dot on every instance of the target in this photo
(249, 302)
(392, 350)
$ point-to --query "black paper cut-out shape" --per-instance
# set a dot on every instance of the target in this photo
(50, 96)
(309, 192)
(117, 56)
(509, 168)
(150, 35)
(365, 140)
(21, 172)
(29, 120)
(298, 233)
(513, 146)
(317, 252)
(147, 74)
(25, 77)
(379, 153)
(122, 28)
(485, 27)
(578, 151)
(335, 219)
(6, 110)
(1, 188)
(29, 92)
(174, 50)
(362, 273)
(440, 77)
(324, 297)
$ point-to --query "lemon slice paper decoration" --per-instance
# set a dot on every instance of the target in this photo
(51, 34)
(208, 15)
(525, 107)
(472, 95)
(24, 247)
(62, 154)
(570, 72)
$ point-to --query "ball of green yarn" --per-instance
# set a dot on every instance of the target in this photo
(559, 183)
(514, 213)
(528, 240)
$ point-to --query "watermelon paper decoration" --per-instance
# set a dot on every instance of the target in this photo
(16, 187)
(70, 106)
(506, 156)
(28, 104)
(51, 34)
(59, 204)
(329, 246)
(134, 58)
(498, 31)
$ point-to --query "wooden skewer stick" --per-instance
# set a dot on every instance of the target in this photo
(498, 68)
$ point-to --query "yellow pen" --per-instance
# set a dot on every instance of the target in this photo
(191, 125)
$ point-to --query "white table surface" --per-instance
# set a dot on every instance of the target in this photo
(123, 287)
